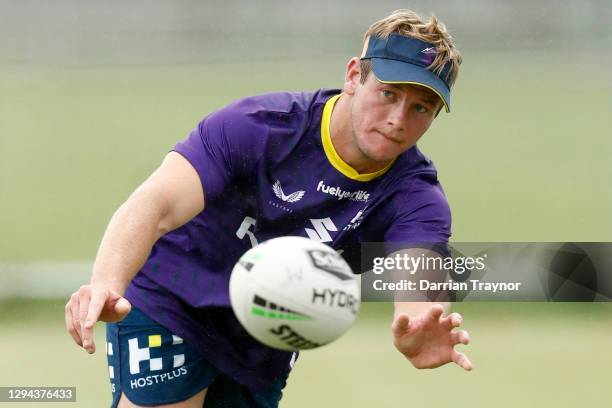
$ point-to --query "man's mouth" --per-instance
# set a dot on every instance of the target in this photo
(390, 138)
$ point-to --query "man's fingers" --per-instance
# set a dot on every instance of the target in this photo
(88, 305)
(435, 312)
(453, 320)
(462, 361)
(96, 304)
(460, 337)
(400, 324)
(84, 300)
(70, 324)
(74, 311)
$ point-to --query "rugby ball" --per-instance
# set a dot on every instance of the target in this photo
(293, 293)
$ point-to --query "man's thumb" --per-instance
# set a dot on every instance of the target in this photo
(400, 324)
(122, 308)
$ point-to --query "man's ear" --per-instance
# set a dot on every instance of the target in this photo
(353, 76)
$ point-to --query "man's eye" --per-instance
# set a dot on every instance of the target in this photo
(421, 108)
(387, 94)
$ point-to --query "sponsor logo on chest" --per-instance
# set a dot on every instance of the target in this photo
(336, 191)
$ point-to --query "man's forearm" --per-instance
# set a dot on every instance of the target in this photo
(128, 240)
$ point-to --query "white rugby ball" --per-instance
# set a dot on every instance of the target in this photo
(293, 293)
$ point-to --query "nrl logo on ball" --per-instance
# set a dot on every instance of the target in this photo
(331, 262)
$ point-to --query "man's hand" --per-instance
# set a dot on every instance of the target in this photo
(428, 341)
(88, 305)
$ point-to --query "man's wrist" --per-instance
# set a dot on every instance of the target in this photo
(112, 285)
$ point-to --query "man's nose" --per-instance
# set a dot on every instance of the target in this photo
(397, 117)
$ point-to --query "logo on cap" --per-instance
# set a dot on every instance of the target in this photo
(429, 55)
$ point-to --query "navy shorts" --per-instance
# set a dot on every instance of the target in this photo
(151, 366)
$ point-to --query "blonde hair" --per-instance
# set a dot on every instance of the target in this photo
(410, 24)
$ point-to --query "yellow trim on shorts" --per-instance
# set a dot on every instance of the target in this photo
(331, 153)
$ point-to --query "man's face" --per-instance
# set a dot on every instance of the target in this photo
(388, 119)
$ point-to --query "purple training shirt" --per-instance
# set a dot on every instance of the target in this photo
(268, 169)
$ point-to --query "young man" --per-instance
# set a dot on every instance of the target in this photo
(338, 167)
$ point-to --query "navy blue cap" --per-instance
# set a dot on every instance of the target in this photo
(404, 60)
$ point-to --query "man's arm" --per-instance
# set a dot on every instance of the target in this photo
(422, 330)
(169, 198)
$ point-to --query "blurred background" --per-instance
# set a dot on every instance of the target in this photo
(93, 94)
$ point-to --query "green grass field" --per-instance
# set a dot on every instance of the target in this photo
(524, 354)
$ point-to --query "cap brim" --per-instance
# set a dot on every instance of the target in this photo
(391, 71)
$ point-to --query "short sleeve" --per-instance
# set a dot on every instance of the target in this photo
(224, 146)
(422, 216)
